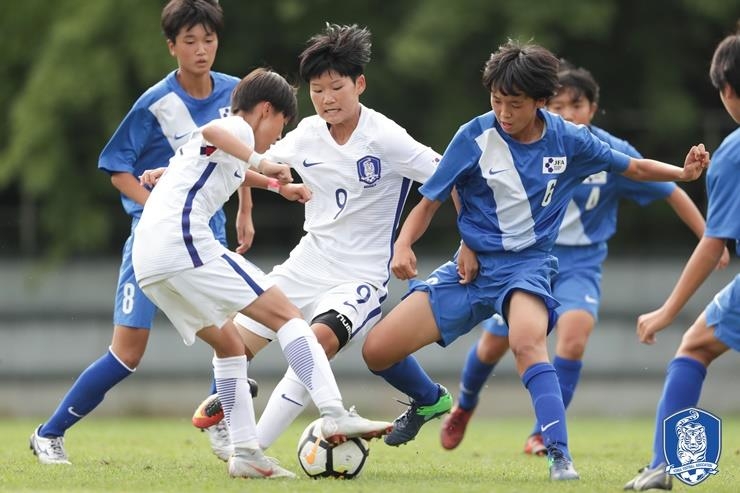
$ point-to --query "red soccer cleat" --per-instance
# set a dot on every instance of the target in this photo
(453, 427)
(535, 446)
(208, 413)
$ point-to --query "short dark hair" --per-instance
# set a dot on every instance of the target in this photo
(725, 69)
(578, 81)
(515, 69)
(178, 14)
(263, 84)
(341, 49)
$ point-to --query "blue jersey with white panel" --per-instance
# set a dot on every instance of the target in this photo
(159, 122)
(723, 183)
(514, 196)
(591, 216)
(723, 180)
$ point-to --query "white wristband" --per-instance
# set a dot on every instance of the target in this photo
(255, 159)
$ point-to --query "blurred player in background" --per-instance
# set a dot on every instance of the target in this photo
(360, 166)
(581, 248)
(717, 329)
(516, 169)
(159, 122)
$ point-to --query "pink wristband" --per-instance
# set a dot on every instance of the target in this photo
(273, 185)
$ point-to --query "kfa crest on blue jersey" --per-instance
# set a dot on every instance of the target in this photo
(368, 170)
(692, 442)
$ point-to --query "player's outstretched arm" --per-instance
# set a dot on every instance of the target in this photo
(687, 211)
(231, 144)
(697, 160)
(702, 262)
(404, 260)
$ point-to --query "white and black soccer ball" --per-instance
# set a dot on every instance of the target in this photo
(320, 459)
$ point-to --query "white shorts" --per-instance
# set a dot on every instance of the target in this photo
(356, 300)
(208, 295)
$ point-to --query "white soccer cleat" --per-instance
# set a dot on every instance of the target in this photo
(220, 439)
(48, 450)
(350, 424)
(256, 465)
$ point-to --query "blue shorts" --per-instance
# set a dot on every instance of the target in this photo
(723, 313)
(577, 285)
(132, 307)
(458, 308)
(496, 326)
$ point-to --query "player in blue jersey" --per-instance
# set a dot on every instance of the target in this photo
(581, 248)
(159, 122)
(515, 170)
(717, 328)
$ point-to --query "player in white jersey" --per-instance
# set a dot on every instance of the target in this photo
(581, 248)
(359, 166)
(200, 284)
(157, 124)
(516, 169)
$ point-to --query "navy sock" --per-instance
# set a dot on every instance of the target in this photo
(542, 383)
(474, 376)
(410, 378)
(683, 382)
(85, 394)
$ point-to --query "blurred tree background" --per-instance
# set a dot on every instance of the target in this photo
(71, 69)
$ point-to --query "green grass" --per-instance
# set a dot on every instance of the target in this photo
(112, 455)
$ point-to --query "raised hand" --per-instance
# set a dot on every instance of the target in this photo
(697, 160)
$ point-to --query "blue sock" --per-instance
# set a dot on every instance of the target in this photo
(541, 381)
(568, 372)
(411, 379)
(683, 382)
(213, 386)
(474, 376)
(85, 395)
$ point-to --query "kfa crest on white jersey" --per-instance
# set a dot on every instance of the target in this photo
(359, 191)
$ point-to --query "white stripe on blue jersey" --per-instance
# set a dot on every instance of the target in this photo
(514, 195)
(159, 122)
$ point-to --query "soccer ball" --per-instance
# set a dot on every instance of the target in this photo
(320, 459)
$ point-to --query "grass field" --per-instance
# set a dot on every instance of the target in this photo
(112, 455)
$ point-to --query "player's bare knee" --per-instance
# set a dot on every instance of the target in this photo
(525, 352)
(572, 349)
(371, 355)
(490, 350)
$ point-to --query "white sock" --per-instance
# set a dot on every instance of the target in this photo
(286, 402)
(233, 392)
(307, 359)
